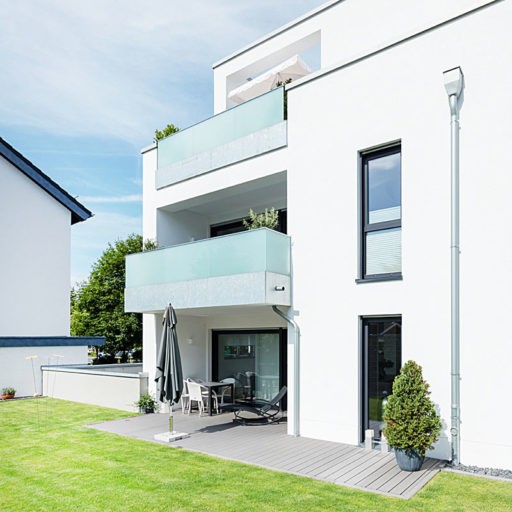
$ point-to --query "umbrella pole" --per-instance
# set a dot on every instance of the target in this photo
(171, 419)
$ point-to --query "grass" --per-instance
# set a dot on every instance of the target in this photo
(55, 463)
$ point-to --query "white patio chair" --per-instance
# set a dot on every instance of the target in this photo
(228, 390)
(204, 392)
(195, 394)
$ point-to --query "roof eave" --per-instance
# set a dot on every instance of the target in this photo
(78, 211)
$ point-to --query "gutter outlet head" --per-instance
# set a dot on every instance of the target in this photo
(453, 81)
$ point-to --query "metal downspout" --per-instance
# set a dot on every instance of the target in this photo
(453, 97)
(296, 371)
(455, 280)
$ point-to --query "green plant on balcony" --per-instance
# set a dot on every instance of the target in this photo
(165, 132)
(268, 219)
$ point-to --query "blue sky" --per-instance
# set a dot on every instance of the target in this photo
(85, 84)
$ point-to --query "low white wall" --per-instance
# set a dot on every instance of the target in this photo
(89, 386)
(16, 370)
(134, 368)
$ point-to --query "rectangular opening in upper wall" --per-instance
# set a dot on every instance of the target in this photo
(287, 64)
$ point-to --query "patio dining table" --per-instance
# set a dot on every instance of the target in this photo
(213, 384)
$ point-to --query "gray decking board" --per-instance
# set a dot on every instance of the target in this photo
(329, 464)
(361, 460)
(256, 450)
(383, 479)
(411, 485)
(302, 456)
(405, 477)
(367, 479)
(343, 461)
(421, 481)
(324, 458)
(364, 466)
(270, 447)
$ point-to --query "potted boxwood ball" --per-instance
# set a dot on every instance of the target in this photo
(412, 424)
(8, 393)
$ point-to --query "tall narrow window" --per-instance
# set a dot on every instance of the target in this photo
(381, 214)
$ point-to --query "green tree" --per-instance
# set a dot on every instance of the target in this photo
(97, 304)
(411, 419)
(168, 130)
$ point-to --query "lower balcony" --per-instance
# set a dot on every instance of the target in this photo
(249, 268)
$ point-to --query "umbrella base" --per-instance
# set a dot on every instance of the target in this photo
(168, 437)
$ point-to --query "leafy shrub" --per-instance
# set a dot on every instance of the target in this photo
(147, 404)
(269, 219)
(8, 391)
(411, 420)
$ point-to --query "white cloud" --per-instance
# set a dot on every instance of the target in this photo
(132, 198)
(121, 68)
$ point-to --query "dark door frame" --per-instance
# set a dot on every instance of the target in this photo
(363, 366)
(283, 352)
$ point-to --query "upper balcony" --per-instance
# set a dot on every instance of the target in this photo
(247, 268)
(247, 130)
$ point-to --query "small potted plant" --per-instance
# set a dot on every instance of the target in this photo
(8, 393)
(146, 404)
(412, 424)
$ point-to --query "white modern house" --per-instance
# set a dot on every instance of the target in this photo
(375, 228)
(36, 216)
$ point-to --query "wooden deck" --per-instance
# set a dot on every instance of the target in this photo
(270, 447)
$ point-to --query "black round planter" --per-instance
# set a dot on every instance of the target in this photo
(409, 460)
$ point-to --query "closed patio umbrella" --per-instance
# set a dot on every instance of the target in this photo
(169, 375)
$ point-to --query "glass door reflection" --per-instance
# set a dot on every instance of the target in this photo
(252, 358)
(382, 359)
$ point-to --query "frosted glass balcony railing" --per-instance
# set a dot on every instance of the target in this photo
(252, 116)
(260, 250)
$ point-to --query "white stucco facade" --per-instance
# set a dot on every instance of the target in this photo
(379, 83)
(36, 231)
(36, 216)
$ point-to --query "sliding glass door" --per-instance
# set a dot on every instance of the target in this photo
(256, 359)
(382, 359)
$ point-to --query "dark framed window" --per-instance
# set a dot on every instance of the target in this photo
(381, 214)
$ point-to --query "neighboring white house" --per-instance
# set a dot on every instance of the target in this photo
(359, 169)
(36, 216)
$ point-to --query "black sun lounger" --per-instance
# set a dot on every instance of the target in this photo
(262, 410)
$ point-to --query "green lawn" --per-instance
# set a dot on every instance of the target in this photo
(50, 462)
